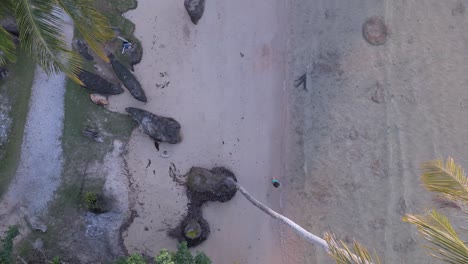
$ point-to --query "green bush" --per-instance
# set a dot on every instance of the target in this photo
(92, 202)
(181, 256)
(7, 245)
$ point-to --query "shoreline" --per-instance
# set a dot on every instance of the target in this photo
(256, 120)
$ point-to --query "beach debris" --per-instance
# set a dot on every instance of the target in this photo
(92, 133)
(98, 84)
(158, 128)
(82, 47)
(126, 46)
(302, 80)
(195, 9)
(163, 85)
(164, 154)
(202, 185)
(156, 145)
(128, 79)
(149, 163)
(99, 99)
(242, 55)
(375, 31)
(276, 183)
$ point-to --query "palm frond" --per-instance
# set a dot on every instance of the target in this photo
(343, 254)
(6, 8)
(436, 228)
(40, 24)
(448, 179)
(7, 47)
(92, 25)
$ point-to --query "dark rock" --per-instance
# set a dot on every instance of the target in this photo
(98, 84)
(210, 185)
(82, 47)
(135, 54)
(128, 79)
(10, 25)
(195, 9)
(160, 129)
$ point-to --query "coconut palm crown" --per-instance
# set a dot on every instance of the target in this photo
(40, 24)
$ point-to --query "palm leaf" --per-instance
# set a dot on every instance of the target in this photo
(40, 28)
(92, 25)
(445, 242)
(7, 47)
(343, 254)
(448, 179)
(6, 8)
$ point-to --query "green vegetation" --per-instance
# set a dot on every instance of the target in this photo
(92, 202)
(17, 88)
(449, 182)
(6, 248)
(41, 33)
(181, 256)
(113, 10)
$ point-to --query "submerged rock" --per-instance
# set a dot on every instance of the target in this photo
(160, 129)
(99, 99)
(195, 9)
(98, 84)
(128, 79)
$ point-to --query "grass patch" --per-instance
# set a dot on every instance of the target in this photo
(79, 152)
(17, 87)
(65, 235)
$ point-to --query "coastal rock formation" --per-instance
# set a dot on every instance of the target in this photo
(135, 53)
(98, 84)
(82, 48)
(158, 128)
(128, 79)
(193, 229)
(202, 185)
(195, 9)
(210, 185)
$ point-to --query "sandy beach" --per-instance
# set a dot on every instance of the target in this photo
(347, 148)
(224, 83)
